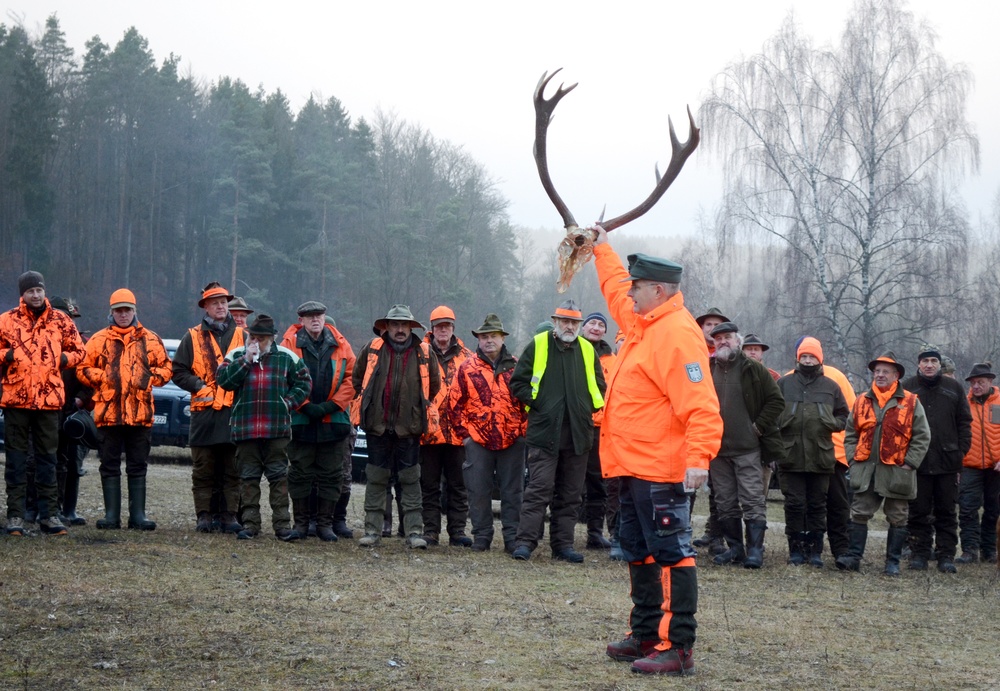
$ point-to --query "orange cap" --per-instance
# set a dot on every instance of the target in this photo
(123, 297)
(442, 313)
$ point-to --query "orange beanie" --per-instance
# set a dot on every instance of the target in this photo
(811, 346)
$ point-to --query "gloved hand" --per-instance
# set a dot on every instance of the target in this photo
(313, 411)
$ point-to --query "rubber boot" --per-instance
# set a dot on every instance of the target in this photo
(112, 488)
(137, 504)
(595, 534)
(732, 528)
(796, 549)
(755, 544)
(894, 548)
(814, 540)
(324, 520)
(340, 526)
(313, 509)
(301, 515)
(857, 537)
(71, 494)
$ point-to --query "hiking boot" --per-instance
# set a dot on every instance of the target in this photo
(247, 534)
(630, 649)
(569, 554)
(369, 540)
(676, 662)
(287, 534)
(15, 526)
(430, 540)
(342, 530)
(229, 523)
(52, 526)
(717, 546)
(414, 541)
(522, 553)
(216, 526)
(918, 563)
(796, 550)
(989, 558)
(204, 524)
(968, 558)
(480, 544)
(460, 541)
(946, 565)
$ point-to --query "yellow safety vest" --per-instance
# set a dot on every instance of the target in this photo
(541, 360)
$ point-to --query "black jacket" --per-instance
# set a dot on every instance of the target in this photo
(950, 420)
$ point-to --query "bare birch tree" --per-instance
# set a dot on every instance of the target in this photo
(848, 156)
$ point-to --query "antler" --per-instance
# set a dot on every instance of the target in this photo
(576, 248)
(679, 155)
(543, 114)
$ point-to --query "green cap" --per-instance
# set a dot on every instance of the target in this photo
(646, 267)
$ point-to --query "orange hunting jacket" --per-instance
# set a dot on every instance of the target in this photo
(448, 363)
(661, 411)
(122, 366)
(31, 357)
(985, 450)
(481, 405)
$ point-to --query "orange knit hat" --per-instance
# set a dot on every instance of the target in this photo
(811, 346)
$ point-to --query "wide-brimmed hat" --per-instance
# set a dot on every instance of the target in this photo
(491, 324)
(889, 358)
(238, 304)
(214, 290)
(65, 305)
(981, 369)
(726, 327)
(397, 313)
(311, 307)
(712, 312)
(568, 309)
(645, 267)
(754, 339)
(263, 325)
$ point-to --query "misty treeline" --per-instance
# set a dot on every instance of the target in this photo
(839, 216)
(119, 171)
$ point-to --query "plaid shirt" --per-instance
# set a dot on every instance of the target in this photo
(266, 392)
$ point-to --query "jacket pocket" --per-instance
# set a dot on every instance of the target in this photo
(902, 482)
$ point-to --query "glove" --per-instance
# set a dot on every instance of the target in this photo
(313, 411)
(329, 407)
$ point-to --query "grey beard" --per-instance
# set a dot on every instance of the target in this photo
(566, 338)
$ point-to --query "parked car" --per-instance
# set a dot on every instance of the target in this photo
(359, 458)
(171, 408)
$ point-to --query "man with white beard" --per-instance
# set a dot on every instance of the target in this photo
(559, 379)
(750, 403)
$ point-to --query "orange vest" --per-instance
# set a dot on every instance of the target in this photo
(985, 450)
(897, 428)
(423, 361)
(206, 358)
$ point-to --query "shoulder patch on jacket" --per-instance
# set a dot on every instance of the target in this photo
(694, 372)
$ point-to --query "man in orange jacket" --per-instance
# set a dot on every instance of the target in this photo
(661, 427)
(36, 343)
(123, 363)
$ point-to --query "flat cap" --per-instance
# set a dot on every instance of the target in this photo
(311, 307)
(725, 328)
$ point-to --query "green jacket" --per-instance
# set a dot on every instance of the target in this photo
(891, 481)
(815, 408)
(562, 394)
(764, 404)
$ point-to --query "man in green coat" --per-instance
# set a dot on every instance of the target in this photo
(887, 438)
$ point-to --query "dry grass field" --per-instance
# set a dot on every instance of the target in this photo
(173, 609)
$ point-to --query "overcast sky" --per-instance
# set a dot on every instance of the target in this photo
(465, 71)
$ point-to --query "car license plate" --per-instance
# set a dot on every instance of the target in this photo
(159, 419)
(361, 443)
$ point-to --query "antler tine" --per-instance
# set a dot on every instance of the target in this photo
(543, 114)
(679, 155)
